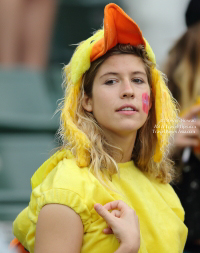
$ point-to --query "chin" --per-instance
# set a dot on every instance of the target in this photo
(131, 128)
(126, 131)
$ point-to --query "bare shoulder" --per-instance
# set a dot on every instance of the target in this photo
(59, 229)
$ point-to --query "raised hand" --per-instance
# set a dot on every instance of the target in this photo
(123, 223)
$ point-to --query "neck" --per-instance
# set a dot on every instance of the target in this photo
(124, 142)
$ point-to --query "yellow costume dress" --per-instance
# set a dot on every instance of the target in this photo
(59, 180)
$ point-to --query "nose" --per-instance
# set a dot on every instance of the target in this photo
(127, 89)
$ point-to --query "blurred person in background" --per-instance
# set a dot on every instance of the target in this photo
(183, 72)
(25, 32)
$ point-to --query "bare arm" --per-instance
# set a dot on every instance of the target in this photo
(59, 229)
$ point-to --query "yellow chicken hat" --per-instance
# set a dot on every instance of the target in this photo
(118, 28)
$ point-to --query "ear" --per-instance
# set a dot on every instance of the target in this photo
(87, 103)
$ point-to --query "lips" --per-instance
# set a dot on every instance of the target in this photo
(127, 107)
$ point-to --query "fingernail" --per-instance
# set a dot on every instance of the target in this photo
(97, 206)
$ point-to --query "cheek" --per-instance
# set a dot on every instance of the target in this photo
(145, 102)
(100, 105)
(101, 98)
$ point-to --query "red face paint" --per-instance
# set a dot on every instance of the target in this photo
(145, 102)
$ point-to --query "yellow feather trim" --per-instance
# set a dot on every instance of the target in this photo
(80, 61)
(150, 52)
(74, 71)
(166, 114)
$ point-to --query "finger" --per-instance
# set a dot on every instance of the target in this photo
(117, 204)
(197, 124)
(189, 142)
(190, 134)
(108, 231)
(116, 213)
(103, 212)
(193, 112)
(190, 125)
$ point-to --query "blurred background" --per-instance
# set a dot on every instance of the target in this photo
(36, 39)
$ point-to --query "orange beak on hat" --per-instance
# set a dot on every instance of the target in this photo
(118, 28)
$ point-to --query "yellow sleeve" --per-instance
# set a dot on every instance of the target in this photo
(63, 197)
(66, 185)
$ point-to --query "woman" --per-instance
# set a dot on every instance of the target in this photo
(111, 158)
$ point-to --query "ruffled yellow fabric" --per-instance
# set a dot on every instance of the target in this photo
(47, 166)
(25, 224)
(61, 181)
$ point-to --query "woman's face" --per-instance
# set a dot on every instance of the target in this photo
(120, 95)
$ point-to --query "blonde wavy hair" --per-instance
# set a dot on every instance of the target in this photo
(102, 153)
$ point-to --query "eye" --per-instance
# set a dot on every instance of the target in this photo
(110, 82)
(137, 80)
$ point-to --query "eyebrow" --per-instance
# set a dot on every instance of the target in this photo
(116, 74)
